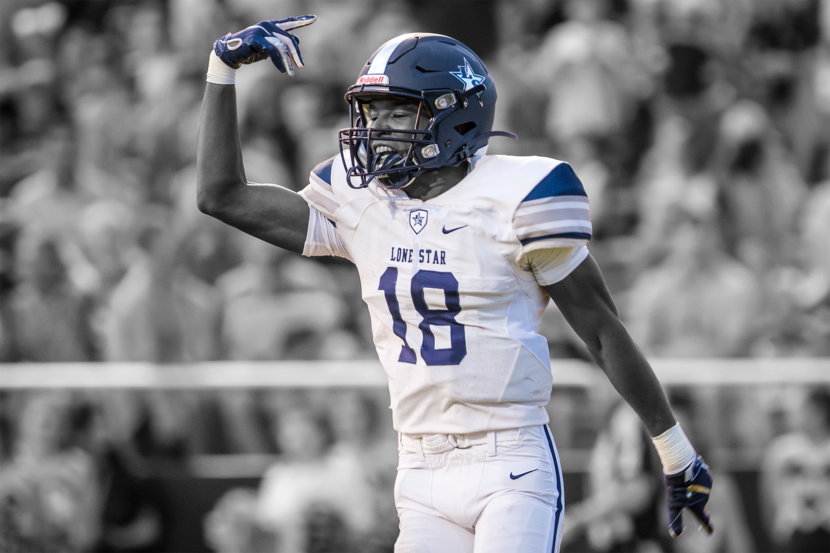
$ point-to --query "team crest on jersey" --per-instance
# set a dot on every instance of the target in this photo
(466, 75)
(418, 219)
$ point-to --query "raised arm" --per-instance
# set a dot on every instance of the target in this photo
(585, 302)
(272, 213)
(269, 212)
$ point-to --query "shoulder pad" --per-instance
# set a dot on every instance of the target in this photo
(323, 170)
(319, 192)
(555, 210)
(561, 181)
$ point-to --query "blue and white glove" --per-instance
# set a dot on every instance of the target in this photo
(266, 39)
(686, 477)
(688, 489)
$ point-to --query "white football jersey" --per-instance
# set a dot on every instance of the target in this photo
(454, 305)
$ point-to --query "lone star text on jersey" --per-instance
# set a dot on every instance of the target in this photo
(405, 255)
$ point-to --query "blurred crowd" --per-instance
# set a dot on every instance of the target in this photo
(700, 131)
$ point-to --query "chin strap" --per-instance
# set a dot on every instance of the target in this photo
(468, 151)
(505, 134)
(401, 179)
(395, 179)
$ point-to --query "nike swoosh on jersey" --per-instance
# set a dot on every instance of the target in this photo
(446, 231)
(516, 477)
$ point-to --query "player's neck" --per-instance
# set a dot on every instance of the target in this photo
(436, 182)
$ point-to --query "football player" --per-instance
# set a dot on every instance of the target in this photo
(458, 254)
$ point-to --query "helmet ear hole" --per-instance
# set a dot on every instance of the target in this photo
(464, 128)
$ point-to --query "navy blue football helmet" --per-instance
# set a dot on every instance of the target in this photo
(456, 100)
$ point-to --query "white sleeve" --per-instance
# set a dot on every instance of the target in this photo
(319, 193)
(551, 265)
(554, 215)
(322, 237)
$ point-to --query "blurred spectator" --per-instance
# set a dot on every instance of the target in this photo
(107, 231)
(50, 497)
(795, 479)
(169, 426)
(698, 302)
(762, 189)
(523, 25)
(242, 424)
(665, 174)
(49, 200)
(132, 514)
(8, 280)
(325, 530)
(160, 312)
(362, 457)
(16, 160)
(802, 324)
(622, 509)
(592, 79)
(277, 305)
(310, 482)
(232, 526)
(785, 25)
(783, 39)
(52, 316)
(49, 505)
(815, 230)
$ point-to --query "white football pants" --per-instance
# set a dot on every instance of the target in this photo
(480, 493)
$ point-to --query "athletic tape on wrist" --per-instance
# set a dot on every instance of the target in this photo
(218, 72)
(675, 450)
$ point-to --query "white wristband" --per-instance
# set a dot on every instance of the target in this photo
(675, 450)
(219, 72)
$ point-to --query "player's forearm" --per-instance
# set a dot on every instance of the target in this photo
(587, 305)
(631, 375)
(219, 169)
(271, 213)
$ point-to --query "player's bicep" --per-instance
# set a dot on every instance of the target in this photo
(269, 212)
(584, 300)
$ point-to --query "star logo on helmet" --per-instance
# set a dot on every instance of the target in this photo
(466, 75)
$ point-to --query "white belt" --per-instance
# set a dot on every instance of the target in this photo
(441, 443)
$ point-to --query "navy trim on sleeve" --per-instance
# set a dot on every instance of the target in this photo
(323, 170)
(576, 235)
(561, 181)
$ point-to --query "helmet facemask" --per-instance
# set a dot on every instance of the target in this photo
(414, 149)
(456, 100)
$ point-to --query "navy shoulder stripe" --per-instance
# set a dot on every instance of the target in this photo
(323, 170)
(561, 181)
(574, 235)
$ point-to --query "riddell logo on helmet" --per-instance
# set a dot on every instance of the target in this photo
(373, 79)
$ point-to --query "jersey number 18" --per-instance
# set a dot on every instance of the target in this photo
(431, 317)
